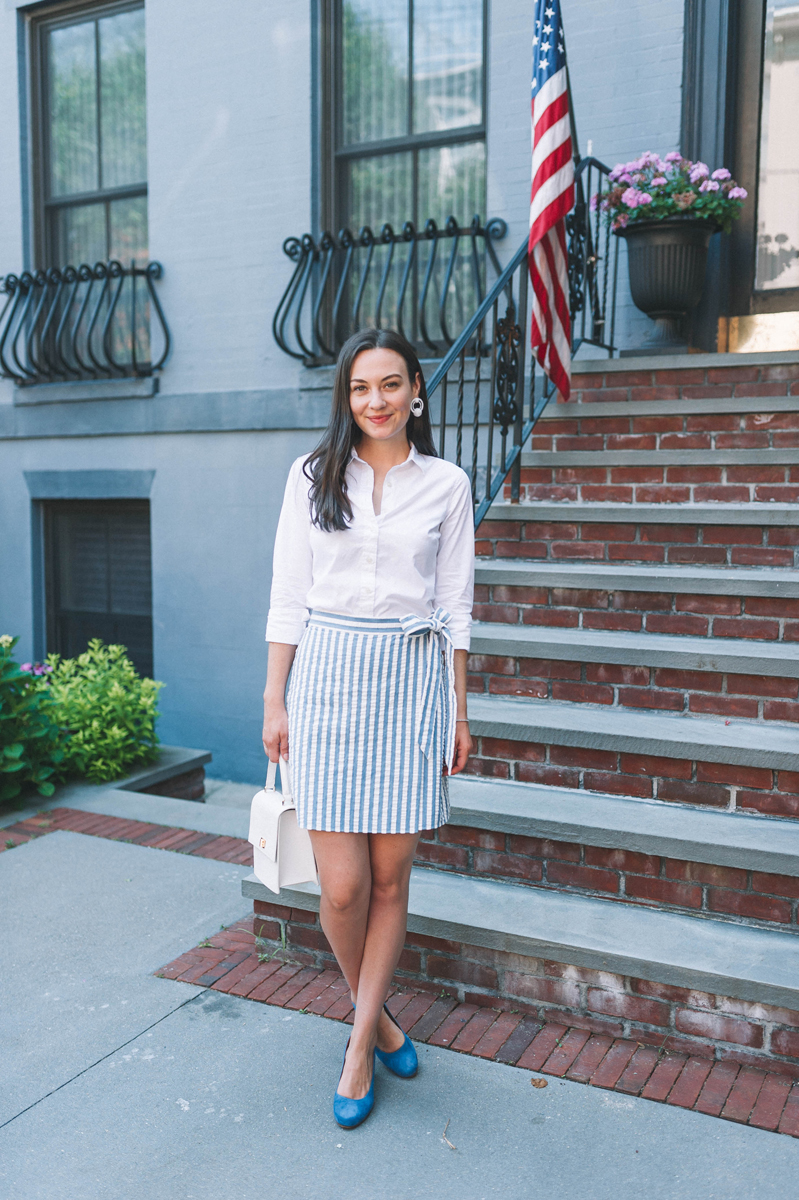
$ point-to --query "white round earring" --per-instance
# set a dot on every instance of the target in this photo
(417, 406)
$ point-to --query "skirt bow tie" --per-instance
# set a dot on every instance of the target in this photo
(439, 684)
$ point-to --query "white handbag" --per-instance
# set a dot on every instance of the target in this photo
(282, 852)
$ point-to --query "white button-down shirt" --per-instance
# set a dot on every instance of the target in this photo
(417, 554)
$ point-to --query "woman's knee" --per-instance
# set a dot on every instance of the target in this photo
(390, 889)
(346, 895)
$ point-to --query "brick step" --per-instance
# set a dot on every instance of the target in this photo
(724, 865)
(719, 602)
(711, 424)
(749, 680)
(689, 377)
(677, 758)
(765, 535)
(661, 476)
(526, 930)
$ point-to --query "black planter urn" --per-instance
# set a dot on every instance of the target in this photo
(667, 260)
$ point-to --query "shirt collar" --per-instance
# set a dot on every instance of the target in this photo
(422, 460)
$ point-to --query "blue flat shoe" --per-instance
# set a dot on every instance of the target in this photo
(349, 1113)
(402, 1062)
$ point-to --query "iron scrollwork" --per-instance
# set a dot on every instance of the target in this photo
(508, 337)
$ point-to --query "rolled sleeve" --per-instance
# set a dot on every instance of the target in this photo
(455, 563)
(292, 567)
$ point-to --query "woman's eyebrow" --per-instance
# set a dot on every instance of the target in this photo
(393, 375)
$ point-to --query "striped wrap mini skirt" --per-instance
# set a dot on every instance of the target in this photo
(371, 708)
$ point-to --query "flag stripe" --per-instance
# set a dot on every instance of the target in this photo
(551, 198)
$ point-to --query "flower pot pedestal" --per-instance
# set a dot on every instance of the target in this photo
(667, 260)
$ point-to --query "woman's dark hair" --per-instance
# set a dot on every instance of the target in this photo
(326, 467)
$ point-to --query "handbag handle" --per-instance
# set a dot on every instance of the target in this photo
(271, 774)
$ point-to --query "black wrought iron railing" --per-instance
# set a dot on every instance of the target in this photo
(593, 261)
(87, 322)
(424, 282)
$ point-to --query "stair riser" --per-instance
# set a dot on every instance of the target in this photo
(574, 540)
(750, 381)
(701, 431)
(763, 618)
(661, 484)
(674, 780)
(678, 1018)
(748, 897)
(743, 697)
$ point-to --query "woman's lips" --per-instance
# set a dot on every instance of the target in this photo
(380, 420)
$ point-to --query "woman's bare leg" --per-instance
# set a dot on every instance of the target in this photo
(364, 911)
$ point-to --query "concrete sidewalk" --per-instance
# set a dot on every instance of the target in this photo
(120, 1085)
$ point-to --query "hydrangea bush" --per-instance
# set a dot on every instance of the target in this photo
(30, 739)
(653, 188)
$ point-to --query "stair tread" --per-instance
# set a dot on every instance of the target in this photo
(661, 408)
(750, 512)
(685, 951)
(767, 744)
(660, 577)
(722, 838)
(729, 655)
(644, 458)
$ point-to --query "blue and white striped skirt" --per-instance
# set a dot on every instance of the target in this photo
(371, 708)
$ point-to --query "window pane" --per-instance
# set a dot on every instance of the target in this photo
(452, 183)
(778, 196)
(447, 64)
(375, 70)
(380, 190)
(122, 99)
(72, 109)
(79, 234)
(128, 230)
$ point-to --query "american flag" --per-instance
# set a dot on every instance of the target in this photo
(551, 197)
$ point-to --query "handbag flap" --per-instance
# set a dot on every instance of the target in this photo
(267, 807)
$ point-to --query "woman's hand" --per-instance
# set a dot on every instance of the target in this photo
(463, 748)
(276, 720)
(276, 731)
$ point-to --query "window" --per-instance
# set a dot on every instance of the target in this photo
(98, 578)
(408, 105)
(89, 73)
(778, 176)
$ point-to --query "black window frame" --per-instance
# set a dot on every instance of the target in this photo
(721, 118)
(334, 156)
(42, 223)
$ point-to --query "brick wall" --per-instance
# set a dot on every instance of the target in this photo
(649, 777)
(629, 542)
(743, 896)
(752, 697)
(661, 484)
(678, 431)
(765, 617)
(655, 1014)
(748, 381)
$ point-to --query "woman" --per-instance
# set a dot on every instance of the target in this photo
(372, 588)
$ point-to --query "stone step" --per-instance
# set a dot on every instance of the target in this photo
(723, 655)
(751, 514)
(752, 964)
(771, 746)
(788, 456)
(644, 577)
(726, 839)
(698, 406)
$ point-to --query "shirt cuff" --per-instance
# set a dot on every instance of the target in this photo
(460, 630)
(285, 627)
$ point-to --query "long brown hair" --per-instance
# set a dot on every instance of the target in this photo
(326, 467)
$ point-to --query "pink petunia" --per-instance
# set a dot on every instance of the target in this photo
(737, 193)
(721, 173)
(659, 180)
(710, 185)
(699, 171)
(644, 198)
(674, 156)
(630, 197)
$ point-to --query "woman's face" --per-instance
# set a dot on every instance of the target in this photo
(381, 393)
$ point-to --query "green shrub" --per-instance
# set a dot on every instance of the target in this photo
(106, 711)
(30, 750)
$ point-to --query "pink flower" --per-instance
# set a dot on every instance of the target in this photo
(721, 173)
(630, 198)
(699, 171)
(593, 203)
(737, 193)
(626, 178)
(659, 180)
(621, 222)
(644, 198)
(26, 666)
(710, 185)
(674, 156)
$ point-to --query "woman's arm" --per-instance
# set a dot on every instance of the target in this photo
(463, 739)
(276, 721)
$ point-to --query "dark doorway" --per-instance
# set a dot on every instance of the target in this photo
(98, 577)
